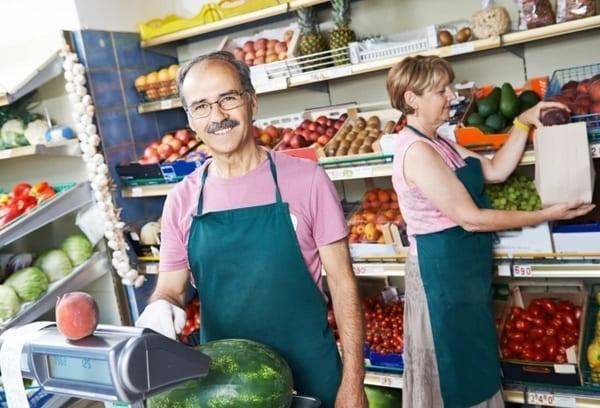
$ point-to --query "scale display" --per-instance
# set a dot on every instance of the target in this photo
(87, 370)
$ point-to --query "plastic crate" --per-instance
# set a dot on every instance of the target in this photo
(395, 45)
(561, 77)
(387, 362)
(588, 336)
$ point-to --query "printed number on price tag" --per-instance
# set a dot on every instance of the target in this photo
(540, 398)
(166, 104)
(368, 270)
(523, 271)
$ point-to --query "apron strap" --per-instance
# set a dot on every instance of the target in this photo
(204, 176)
(452, 155)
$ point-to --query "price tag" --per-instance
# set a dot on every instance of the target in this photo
(522, 271)
(595, 149)
(389, 381)
(152, 269)
(330, 73)
(541, 398)
(350, 173)
(360, 172)
(504, 269)
(166, 104)
(463, 48)
(371, 270)
(137, 191)
(568, 402)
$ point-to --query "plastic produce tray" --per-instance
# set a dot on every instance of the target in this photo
(561, 77)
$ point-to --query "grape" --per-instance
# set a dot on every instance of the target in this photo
(517, 193)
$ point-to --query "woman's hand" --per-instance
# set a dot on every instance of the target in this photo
(567, 211)
(532, 116)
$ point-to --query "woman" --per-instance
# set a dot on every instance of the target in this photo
(450, 346)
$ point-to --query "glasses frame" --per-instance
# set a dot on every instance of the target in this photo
(188, 109)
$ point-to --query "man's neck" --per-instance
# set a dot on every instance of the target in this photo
(238, 163)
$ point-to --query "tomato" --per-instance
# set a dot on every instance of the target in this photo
(547, 305)
(577, 312)
(568, 319)
(515, 346)
(527, 316)
(21, 189)
(536, 333)
(562, 338)
(539, 355)
(527, 344)
(506, 353)
(570, 340)
(560, 358)
(516, 311)
(538, 344)
(509, 325)
(550, 331)
(515, 335)
(556, 323)
(534, 310)
(527, 354)
(565, 305)
(551, 350)
(522, 325)
(539, 322)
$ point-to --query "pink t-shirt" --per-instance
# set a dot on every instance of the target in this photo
(421, 216)
(313, 201)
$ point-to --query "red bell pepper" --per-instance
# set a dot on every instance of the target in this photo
(42, 191)
(25, 204)
(8, 213)
(21, 189)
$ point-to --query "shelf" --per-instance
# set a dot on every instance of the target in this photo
(376, 269)
(550, 31)
(383, 379)
(161, 105)
(65, 148)
(80, 277)
(230, 22)
(151, 190)
(52, 209)
(549, 397)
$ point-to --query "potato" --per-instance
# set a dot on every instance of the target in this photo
(389, 126)
(360, 124)
(342, 151)
(374, 122)
(370, 140)
(353, 150)
(463, 35)
(345, 144)
(363, 133)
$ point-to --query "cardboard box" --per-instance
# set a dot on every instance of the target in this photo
(577, 238)
(568, 373)
(528, 239)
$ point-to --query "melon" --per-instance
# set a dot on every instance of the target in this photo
(381, 397)
(242, 374)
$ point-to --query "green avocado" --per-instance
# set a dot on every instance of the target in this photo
(486, 129)
(528, 99)
(475, 119)
(496, 121)
(490, 104)
(509, 103)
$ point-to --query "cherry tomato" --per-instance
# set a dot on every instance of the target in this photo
(515, 335)
(527, 316)
(577, 312)
(536, 333)
(522, 325)
(565, 305)
(527, 354)
(547, 305)
(515, 346)
(527, 344)
(556, 323)
(570, 340)
(539, 355)
(516, 311)
(560, 358)
(538, 344)
(539, 322)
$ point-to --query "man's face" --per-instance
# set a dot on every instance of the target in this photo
(223, 131)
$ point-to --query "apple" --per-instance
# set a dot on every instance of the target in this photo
(259, 61)
(322, 120)
(330, 132)
(329, 123)
(306, 133)
(322, 140)
(153, 158)
(313, 136)
(166, 138)
(272, 131)
(175, 144)
(298, 142)
(164, 150)
(338, 124)
(320, 129)
(312, 126)
(192, 143)
(182, 150)
(183, 135)
(287, 136)
(239, 53)
(305, 123)
(343, 116)
(248, 46)
(154, 145)
(260, 44)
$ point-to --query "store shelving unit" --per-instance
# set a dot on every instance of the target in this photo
(230, 22)
(65, 148)
(80, 277)
(61, 204)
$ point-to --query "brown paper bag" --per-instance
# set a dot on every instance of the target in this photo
(563, 164)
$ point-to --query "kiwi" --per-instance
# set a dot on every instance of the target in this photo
(365, 149)
(389, 126)
(345, 144)
(353, 150)
(360, 124)
(374, 122)
(342, 151)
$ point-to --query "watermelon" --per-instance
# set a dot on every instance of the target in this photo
(242, 374)
(381, 397)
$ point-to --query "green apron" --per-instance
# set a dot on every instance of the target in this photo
(253, 284)
(456, 270)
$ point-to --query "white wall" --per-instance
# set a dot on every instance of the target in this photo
(120, 15)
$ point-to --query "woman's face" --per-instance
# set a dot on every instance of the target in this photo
(433, 106)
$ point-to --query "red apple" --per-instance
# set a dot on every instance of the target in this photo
(192, 143)
(287, 136)
(183, 135)
(338, 124)
(175, 144)
(320, 130)
(312, 126)
(306, 133)
(164, 150)
(322, 140)
(322, 120)
(153, 158)
(154, 145)
(248, 46)
(313, 136)
(166, 138)
(330, 132)
(343, 116)
(298, 142)
(182, 150)
(329, 123)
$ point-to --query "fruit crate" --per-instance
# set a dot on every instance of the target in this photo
(157, 85)
(408, 42)
(570, 372)
(473, 138)
(561, 77)
(263, 74)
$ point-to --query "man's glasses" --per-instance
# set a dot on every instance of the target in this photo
(226, 102)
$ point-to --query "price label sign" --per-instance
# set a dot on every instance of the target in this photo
(390, 381)
(370, 270)
(166, 104)
(137, 192)
(522, 271)
(463, 48)
(350, 173)
(541, 398)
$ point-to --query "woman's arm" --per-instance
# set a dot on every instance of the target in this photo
(425, 168)
(503, 163)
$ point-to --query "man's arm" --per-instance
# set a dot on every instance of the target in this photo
(171, 286)
(349, 317)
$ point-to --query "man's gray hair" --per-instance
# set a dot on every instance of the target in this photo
(241, 68)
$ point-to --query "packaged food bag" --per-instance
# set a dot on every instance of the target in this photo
(564, 170)
(490, 21)
(567, 10)
(535, 13)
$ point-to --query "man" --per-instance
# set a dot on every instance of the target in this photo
(254, 229)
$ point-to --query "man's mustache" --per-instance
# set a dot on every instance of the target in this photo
(225, 124)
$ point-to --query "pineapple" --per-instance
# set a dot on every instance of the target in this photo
(311, 40)
(342, 35)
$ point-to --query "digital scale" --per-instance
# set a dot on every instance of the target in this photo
(121, 366)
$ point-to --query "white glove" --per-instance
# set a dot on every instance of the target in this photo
(163, 317)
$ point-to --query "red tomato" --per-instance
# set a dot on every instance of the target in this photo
(550, 331)
(536, 333)
(506, 353)
(516, 311)
(515, 346)
(539, 355)
(565, 305)
(560, 358)
(527, 354)
(515, 335)
(538, 344)
(527, 344)
(539, 322)
(547, 305)
(504, 340)
(570, 340)
(509, 325)
(568, 319)
(527, 316)
(562, 338)
(556, 323)
(534, 310)
(577, 312)
(522, 325)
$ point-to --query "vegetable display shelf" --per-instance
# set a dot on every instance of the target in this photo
(555, 396)
(64, 148)
(80, 277)
(230, 22)
(62, 203)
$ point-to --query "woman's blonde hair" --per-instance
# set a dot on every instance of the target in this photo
(416, 74)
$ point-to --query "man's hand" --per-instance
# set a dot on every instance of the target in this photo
(163, 317)
(351, 395)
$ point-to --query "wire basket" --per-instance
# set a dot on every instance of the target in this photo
(561, 77)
